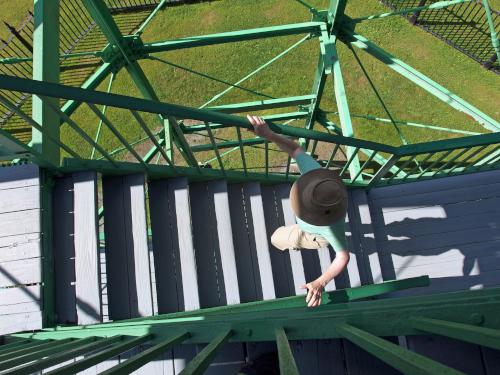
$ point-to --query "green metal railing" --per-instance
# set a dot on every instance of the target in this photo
(380, 164)
(453, 315)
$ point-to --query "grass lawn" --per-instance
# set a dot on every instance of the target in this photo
(293, 74)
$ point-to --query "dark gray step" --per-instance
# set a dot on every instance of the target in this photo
(127, 247)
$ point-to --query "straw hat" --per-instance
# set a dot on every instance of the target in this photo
(319, 197)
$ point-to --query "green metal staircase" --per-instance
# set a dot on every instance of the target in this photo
(110, 253)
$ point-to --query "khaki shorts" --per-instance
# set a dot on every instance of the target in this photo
(294, 238)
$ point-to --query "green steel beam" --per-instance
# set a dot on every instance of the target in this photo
(165, 171)
(341, 99)
(317, 91)
(46, 68)
(229, 37)
(494, 35)
(285, 356)
(139, 360)
(463, 332)
(90, 84)
(199, 364)
(101, 15)
(294, 302)
(382, 317)
(228, 144)
(255, 71)
(40, 352)
(182, 112)
(394, 355)
(419, 79)
(146, 22)
(435, 6)
(261, 105)
(277, 117)
(11, 146)
(62, 356)
(100, 356)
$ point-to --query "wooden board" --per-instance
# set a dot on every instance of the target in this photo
(446, 228)
(218, 191)
(165, 247)
(206, 243)
(19, 272)
(126, 248)
(20, 199)
(282, 195)
(280, 260)
(64, 251)
(253, 197)
(186, 247)
(20, 322)
(247, 267)
(19, 176)
(360, 362)
(19, 222)
(459, 355)
(87, 268)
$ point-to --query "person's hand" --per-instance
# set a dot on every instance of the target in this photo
(260, 127)
(314, 292)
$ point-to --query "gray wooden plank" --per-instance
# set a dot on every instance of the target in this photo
(485, 252)
(247, 267)
(20, 251)
(280, 261)
(219, 191)
(19, 295)
(360, 362)
(424, 226)
(253, 198)
(19, 222)
(182, 355)
(228, 361)
(19, 176)
(186, 247)
(457, 354)
(20, 199)
(19, 272)
(459, 209)
(361, 214)
(282, 194)
(64, 251)
(18, 240)
(473, 179)
(20, 322)
(87, 269)
(19, 308)
(453, 194)
(166, 254)
(206, 244)
(439, 240)
(491, 361)
(126, 247)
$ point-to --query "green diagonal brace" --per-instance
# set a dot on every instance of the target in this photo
(419, 79)
(101, 15)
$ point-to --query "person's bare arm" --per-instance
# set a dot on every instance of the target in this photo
(262, 130)
(315, 288)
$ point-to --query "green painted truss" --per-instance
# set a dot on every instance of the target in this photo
(173, 151)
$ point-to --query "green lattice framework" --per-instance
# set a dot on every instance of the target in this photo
(360, 162)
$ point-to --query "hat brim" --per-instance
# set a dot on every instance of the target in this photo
(302, 209)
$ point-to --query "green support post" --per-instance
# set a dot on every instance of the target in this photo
(402, 359)
(287, 362)
(46, 68)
